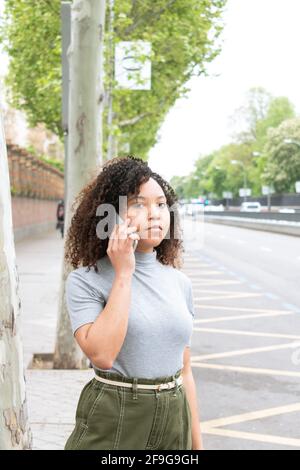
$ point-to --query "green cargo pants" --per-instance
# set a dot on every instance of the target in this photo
(112, 417)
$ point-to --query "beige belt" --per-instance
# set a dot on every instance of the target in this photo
(167, 385)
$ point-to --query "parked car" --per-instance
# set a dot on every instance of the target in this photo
(251, 207)
(193, 209)
(211, 208)
(287, 210)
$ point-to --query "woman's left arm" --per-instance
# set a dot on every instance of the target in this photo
(190, 388)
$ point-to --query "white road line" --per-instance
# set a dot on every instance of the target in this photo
(246, 370)
(215, 282)
(246, 333)
(243, 309)
(249, 436)
(241, 317)
(203, 273)
(237, 295)
(247, 351)
(252, 415)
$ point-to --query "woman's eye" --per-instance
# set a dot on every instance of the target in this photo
(139, 204)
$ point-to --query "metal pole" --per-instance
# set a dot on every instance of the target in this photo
(269, 199)
(245, 181)
(66, 40)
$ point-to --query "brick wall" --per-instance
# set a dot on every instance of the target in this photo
(32, 177)
(36, 188)
(29, 211)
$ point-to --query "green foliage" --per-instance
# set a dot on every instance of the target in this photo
(283, 160)
(58, 164)
(183, 34)
(266, 122)
(47, 159)
(31, 33)
(13, 191)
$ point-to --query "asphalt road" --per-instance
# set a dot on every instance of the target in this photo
(246, 341)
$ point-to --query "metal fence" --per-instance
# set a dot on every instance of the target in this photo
(280, 200)
(289, 217)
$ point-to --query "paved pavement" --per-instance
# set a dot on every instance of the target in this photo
(245, 355)
(52, 395)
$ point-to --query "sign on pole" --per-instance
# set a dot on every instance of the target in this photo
(297, 187)
(227, 195)
(267, 190)
(243, 192)
(133, 65)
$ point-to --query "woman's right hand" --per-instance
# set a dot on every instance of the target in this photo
(120, 248)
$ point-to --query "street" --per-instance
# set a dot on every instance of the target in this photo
(246, 340)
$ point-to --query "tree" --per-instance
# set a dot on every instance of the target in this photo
(31, 33)
(246, 117)
(183, 34)
(84, 141)
(283, 160)
(280, 109)
(14, 428)
(260, 112)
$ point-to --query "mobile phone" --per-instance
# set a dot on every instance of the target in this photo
(121, 221)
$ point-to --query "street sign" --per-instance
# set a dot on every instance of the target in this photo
(266, 190)
(297, 187)
(227, 195)
(243, 192)
(133, 65)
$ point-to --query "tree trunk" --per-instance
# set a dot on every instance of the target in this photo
(14, 428)
(84, 142)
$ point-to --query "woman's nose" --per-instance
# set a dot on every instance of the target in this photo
(154, 211)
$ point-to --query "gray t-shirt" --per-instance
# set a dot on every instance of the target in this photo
(160, 319)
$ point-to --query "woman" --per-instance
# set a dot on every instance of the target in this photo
(60, 216)
(131, 312)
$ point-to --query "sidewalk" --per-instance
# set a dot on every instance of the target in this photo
(51, 407)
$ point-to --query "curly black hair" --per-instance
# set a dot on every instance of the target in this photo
(118, 176)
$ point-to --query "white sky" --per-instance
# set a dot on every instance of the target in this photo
(261, 43)
(260, 48)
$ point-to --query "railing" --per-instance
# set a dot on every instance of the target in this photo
(276, 216)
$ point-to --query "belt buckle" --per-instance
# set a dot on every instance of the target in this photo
(167, 386)
(161, 387)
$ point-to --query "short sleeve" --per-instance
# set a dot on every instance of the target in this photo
(84, 302)
(190, 304)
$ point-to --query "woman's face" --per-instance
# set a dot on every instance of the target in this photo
(147, 209)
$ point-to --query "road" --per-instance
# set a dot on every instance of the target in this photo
(246, 341)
